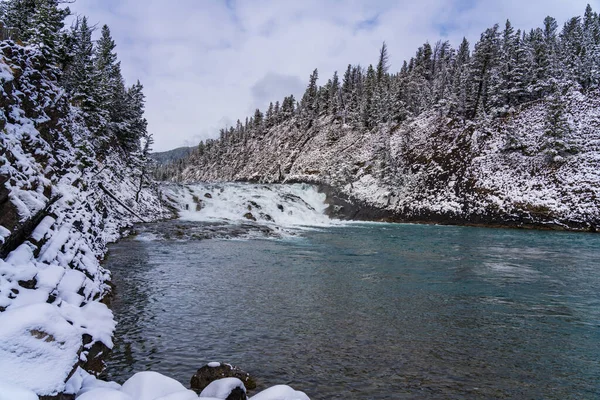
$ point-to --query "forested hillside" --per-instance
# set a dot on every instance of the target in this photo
(503, 132)
(166, 157)
(73, 162)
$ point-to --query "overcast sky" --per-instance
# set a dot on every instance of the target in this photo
(206, 63)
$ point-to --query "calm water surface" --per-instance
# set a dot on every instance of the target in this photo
(368, 311)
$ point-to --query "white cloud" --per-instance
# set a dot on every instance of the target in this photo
(206, 63)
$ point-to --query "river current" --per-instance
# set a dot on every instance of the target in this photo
(356, 310)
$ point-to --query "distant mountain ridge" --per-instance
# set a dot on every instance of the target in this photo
(165, 157)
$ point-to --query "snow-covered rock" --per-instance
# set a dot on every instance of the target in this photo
(10, 391)
(38, 348)
(216, 370)
(223, 388)
(280, 392)
(149, 385)
(105, 394)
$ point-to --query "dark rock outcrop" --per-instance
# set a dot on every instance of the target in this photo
(237, 394)
(250, 216)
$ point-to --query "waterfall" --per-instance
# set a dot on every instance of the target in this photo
(286, 206)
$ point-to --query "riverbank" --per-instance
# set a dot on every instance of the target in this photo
(344, 206)
(63, 197)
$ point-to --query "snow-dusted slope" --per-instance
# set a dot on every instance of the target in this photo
(55, 221)
(433, 169)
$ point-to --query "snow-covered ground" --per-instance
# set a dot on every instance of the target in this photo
(55, 223)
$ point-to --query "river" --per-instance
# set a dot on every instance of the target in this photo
(356, 310)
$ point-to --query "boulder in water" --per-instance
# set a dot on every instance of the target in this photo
(250, 216)
(225, 389)
(213, 371)
(266, 217)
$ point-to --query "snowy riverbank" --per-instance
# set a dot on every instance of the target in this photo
(59, 207)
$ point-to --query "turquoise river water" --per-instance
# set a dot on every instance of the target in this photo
(366, 311)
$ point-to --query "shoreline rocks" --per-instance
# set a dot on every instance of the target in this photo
(214, 371)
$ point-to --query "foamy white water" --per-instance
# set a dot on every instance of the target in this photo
(287, 206)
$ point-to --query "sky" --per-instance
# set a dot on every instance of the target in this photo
(206, 63)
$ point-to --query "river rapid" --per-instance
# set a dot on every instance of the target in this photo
(258, 276)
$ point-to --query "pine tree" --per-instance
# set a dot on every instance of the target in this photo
(557, 127)
(484, 60)
(520, 90)
(309, 103)
(81, 79)
(369, 117)
(288, 107)
(460, 76)
(590, 73)
(44, 29)
(258, 120)
(382, 65)
(334, 95)
(134, 128)
(572, 51)
(18, 16)
(270, 116)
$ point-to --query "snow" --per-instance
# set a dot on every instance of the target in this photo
(105, 394)
(38, 348)
(187, 395)
(149, 385)
(4, 233)
(221, 388)
(52, 283)
(296, 206)
(280, 392)
(214, 364)
(9, 391)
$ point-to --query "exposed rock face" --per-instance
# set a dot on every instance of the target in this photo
(214, 371)
(431, 168)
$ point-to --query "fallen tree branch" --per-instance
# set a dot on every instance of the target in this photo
(112, 196)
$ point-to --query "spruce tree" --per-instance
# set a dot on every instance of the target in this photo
(484, 60)
(45, 26)
(309, 103)
(382, 64)
(18, 16)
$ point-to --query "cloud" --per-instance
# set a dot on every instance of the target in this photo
(207, 62)
(274, 87)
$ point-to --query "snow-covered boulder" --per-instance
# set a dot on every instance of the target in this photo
(105, 394)
(187, 395)
(225, 389)
(39, 349)
(149, 385)
(9, 391)
(216, 370)
(280, 392)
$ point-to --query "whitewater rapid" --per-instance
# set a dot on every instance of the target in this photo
(280, 208)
